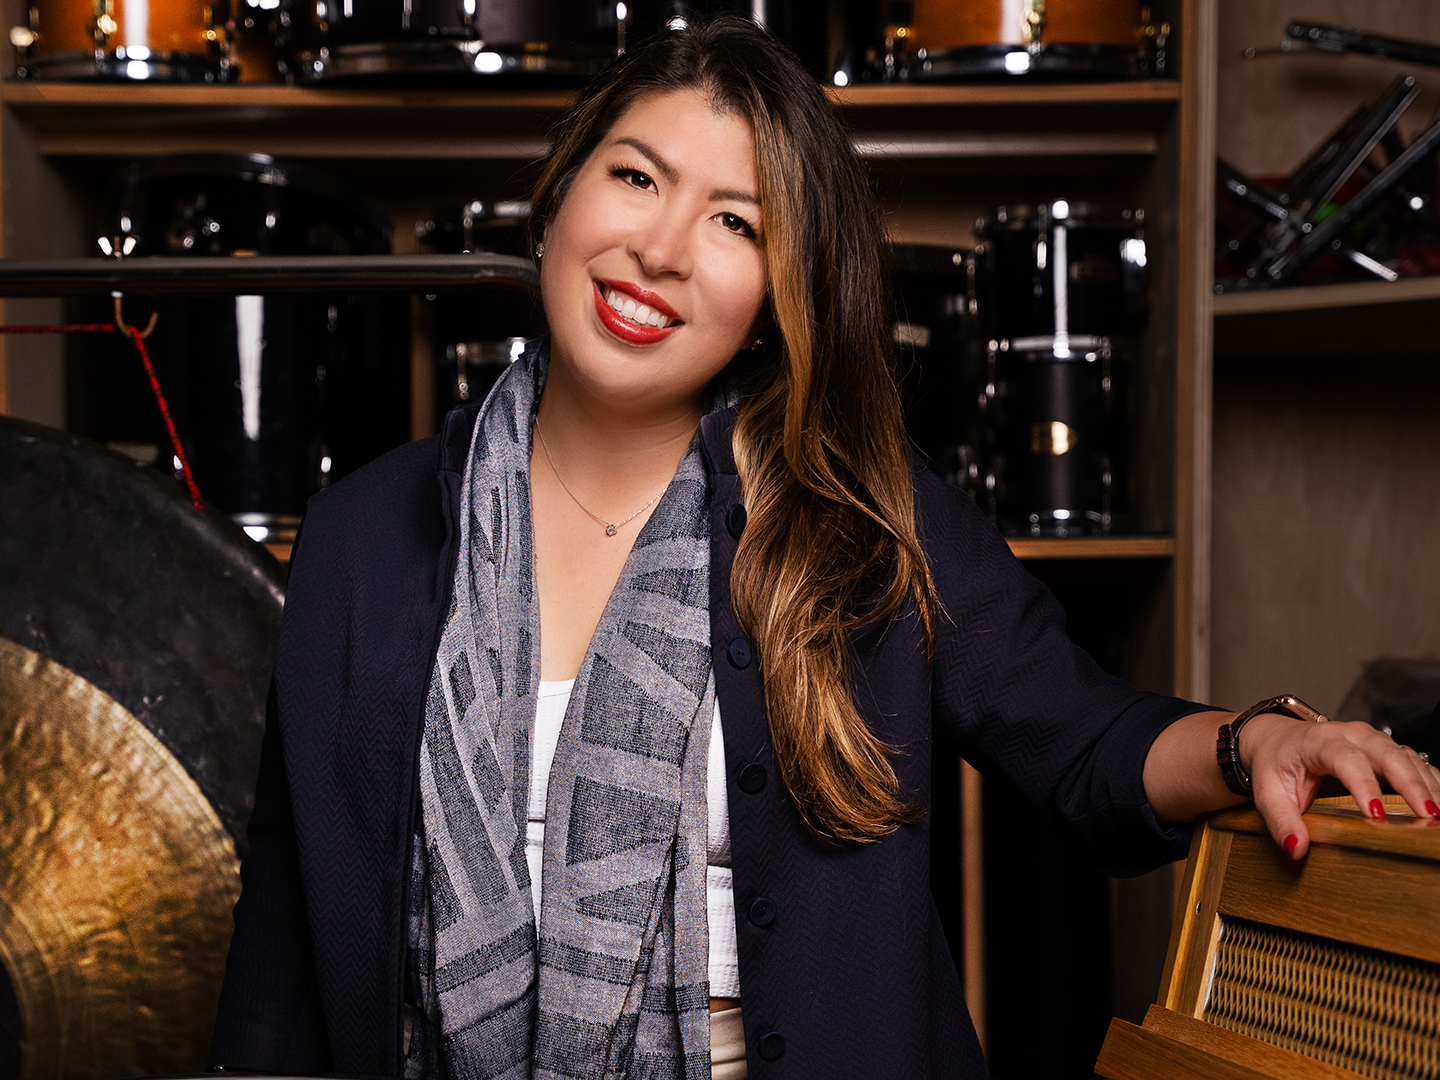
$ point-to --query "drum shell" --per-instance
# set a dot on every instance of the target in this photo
(940, 357)
(181, 37)
(477, 334)
(1105, 279)
(503, 22)
(1058, 432)
(946, 24)
(274, 396)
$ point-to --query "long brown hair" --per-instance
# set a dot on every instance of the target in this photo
(830, 541)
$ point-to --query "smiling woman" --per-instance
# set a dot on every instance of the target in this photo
(609, 753)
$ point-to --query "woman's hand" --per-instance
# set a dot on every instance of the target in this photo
(1288, 760)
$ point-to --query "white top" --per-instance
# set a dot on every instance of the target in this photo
(554, 697)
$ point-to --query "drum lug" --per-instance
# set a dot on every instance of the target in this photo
(1033, 22)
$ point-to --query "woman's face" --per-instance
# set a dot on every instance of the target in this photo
(654, 270)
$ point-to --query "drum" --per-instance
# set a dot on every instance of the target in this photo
(136, 638)
(274, 396)
(942, 39)
(1061, 268)
(477, 334)
(1054, 410)
(941, 357)
(146, 40)
(559, 40)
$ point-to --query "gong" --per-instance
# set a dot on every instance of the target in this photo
(136, 639)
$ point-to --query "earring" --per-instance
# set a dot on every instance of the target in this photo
(756, 344)
(540, 251)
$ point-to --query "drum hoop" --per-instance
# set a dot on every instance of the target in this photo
(1032, 348)
(161, 65)
(449, 56)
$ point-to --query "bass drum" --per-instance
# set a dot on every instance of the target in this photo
(136, 639)
(275, 396)
(123, 40)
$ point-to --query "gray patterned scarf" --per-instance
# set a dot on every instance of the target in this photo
(615, 981)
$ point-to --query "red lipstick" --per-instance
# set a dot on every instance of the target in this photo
(627, 331)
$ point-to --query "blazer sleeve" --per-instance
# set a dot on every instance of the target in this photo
(269, 1018)
(1023, 701)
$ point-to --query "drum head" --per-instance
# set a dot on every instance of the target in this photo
(136, 638)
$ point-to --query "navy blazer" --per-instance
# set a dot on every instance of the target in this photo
(844, 967)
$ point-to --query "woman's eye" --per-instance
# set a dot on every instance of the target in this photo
(633, 176)
(736, 224)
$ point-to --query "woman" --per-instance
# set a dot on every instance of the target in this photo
(678, 590)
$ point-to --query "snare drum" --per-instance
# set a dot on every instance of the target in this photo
(274, 396)
(146, 40)
(565, 40)
(477, 334)
(978, 38)
(1061, 268)
(1054, 413)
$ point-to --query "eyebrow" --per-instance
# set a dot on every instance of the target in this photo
(665, 169)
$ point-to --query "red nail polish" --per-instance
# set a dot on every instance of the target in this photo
(1431, 808)
(1377, 809)
(1290, 842)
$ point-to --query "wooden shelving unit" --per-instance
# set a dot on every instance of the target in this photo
(941, 155)
(1325, 397)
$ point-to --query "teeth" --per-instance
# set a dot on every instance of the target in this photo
(642, 314)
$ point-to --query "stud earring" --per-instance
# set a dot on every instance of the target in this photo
(756, 344)
(540, 250)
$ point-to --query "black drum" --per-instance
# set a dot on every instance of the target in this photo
(477, 334)
(136, 639)
(941, 357)
(1054, 410)
(1061, 268)
(564, 40)
(274, 396)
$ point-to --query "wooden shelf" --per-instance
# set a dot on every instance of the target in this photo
(1348, 294)
(894, 122)
(1361, 318)
(1081, 547)
(1146, 91)
(111, 95)
(1095, 547)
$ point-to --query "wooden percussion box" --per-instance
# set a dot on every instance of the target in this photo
(1328, 967)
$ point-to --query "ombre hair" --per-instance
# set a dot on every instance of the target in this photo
(830, 541)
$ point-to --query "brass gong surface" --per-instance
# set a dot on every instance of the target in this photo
(117, 881)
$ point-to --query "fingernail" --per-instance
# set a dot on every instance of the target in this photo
(1431, 808)
(1377, 809)
(1290, 842)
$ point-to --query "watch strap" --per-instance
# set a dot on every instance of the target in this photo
(1227, 745)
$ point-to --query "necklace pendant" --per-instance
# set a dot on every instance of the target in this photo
(609, 530)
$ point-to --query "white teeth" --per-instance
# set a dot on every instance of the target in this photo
(642, 314)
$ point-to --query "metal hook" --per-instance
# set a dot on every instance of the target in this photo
(120, 318)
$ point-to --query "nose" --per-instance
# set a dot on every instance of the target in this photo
(662, 242)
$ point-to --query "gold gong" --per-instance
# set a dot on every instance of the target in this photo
(117, 881)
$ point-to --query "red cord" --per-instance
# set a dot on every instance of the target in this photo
(134, 335)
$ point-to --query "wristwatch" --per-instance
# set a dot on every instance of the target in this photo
(1227, 746)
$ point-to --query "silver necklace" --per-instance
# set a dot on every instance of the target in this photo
(611, 527)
